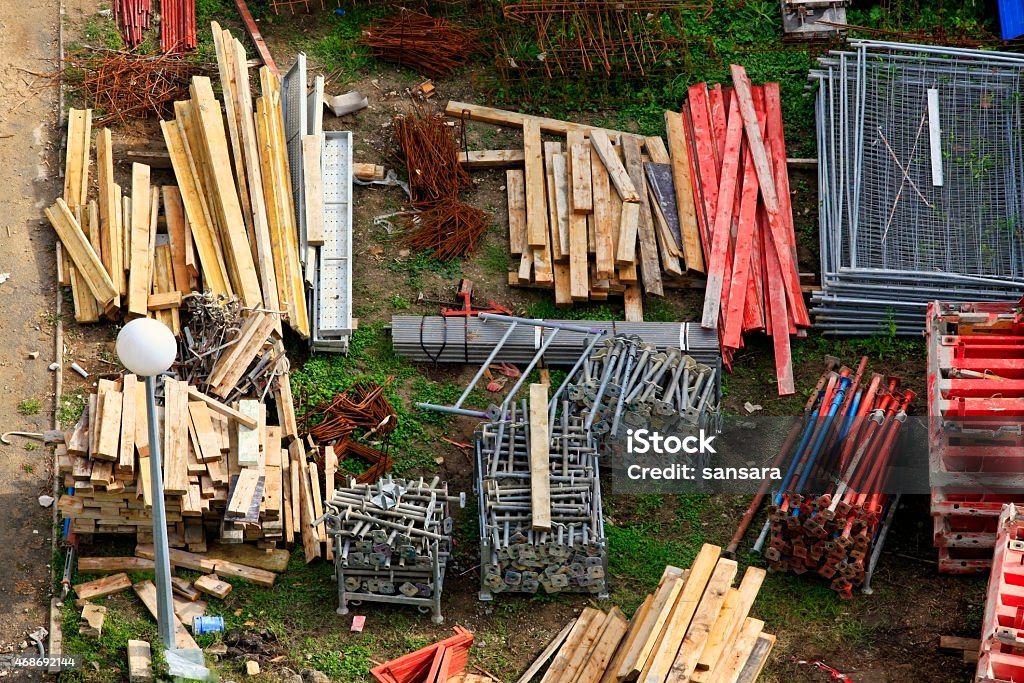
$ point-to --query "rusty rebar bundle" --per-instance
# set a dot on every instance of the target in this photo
(126, 85)
(427, 145)
(362, 406)
(431, 46)
(449, 227)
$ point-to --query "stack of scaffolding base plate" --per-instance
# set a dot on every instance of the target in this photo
(439, 339)
(920, 180)
(976, 444)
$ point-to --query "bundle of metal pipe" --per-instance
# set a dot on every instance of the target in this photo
(831, 512)
(437, 339)
(133, 18)
(975, 443)
(917, 175)
(514, 556)
(177, 25)
(391, 541)
(629, 383)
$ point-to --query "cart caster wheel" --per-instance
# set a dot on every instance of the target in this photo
(356, 603)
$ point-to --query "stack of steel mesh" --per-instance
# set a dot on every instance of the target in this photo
(921, 182)
(391, 541)
(428, 339)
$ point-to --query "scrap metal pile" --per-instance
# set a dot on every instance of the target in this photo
(740, 178)
(694, 627)
(919, 151)
(439, 222)
(433, 47)
(975, 442)
(126, 85)
(391, 542)
(832, 509)
(1002, 631)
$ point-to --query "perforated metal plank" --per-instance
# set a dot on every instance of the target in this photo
(315, 108)
(294, 99)
(334, 272)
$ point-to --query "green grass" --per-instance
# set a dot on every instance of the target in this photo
(545, 308)
(496, 259)
(420, 263)
(30, 406)
(105, 658)
(102, 32)
(337, 49)
(71, 407)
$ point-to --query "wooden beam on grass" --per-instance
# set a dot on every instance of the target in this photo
(540, 454)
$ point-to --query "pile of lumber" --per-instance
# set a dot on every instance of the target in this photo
(1002, 635)
(606, 213)
(228, 225)
(741, 184)
(228, 473)
(694, 627)
(440, 662)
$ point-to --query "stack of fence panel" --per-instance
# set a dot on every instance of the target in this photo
(976, 446)
(1002, 629)
(920, 178)
(439, 339)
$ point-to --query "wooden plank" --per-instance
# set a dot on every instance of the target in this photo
(164, 301)
(106, 565)
(255, 36)
(703, 621)
(87, 309)
(629, 223)
(313, 189)
(175, 437)
(737, 656)
(129, 408)
(141, 420)
(183, 589)
(580, 174)
(935, 136)
(780, 229)
(90, 623)
(578, 655)
(604, 248)
(553, 645)
(650, 267)
(533, 177)
(111, 249)
(244, 490)
(634, 305)
(559, 251)
(211, 585)
(657, 667)
(560, 166)
(317, 498)
(140, 267)
(601, 654)
(364, 171)
(99, 588)
(238, 257)
(187, 610)
(202, 426)
(643, 637)
(174, 212)
(540, 450)
(140, 662)
(512, 119)
(146, 590)
(82, 254)
(685, 205)
(489, 158)
(204, 238)
(222, 409)
(734, 303)
(310, 542)
(248, 438)
(573, 641)
(109, 441)
(755, 663)
(727, 627)
(623, 183)
(516, 190)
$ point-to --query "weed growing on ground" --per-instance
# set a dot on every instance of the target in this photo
(71, 407)
(30, 406)
(31, 446)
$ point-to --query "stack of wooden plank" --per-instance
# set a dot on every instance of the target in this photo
(694, 627)
(607, 213)
(229, 224)
(438, 663)
(227, 473)
(740, 180)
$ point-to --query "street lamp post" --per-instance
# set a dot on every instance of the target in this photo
(147, 347)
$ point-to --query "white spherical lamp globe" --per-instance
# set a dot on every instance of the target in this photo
(146, 347)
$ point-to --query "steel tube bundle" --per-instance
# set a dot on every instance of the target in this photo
(133, 19)
(177, 25)
(831, 506)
